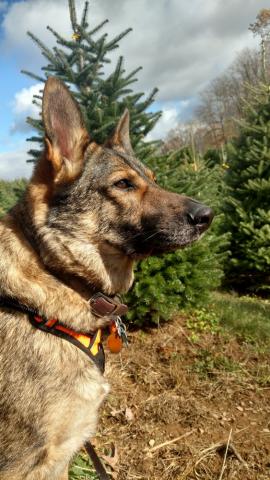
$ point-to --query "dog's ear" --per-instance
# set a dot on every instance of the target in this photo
(65, 134)
(121, 136)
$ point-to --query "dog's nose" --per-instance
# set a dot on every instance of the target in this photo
(200, 215)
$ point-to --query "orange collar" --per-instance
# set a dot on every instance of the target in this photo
(101, 305)
(90, 344)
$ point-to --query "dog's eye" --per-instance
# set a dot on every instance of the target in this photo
(124, 184)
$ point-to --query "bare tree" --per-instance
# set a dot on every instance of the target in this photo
(223, 100)
(262, 28)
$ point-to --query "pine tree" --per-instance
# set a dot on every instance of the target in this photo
(247, 207)
(10, 193)
(79, 61)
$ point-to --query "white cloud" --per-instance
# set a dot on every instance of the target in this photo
(23, 99)
(34, 16)
(168, 121)
(180, 44)
(13, 164)
(23, 107)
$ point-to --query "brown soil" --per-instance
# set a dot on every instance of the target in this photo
(214, 394)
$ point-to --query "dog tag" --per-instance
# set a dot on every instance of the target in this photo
(114, 341)
(117, 336)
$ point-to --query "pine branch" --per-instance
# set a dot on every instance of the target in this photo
(45, 51)
(66, 66)
(35, 123)
(86, 73)
(114, 43)
(87, 37)
(34, 153)
(38, 104)
(38, 97)
(106, 126)
(125, 83)
(84, 23)
(35, 139)
(61, 40)
(118, 70)
(136, 70)
(150, 98)
(34, 76)
(73, 15)
(96, 29)
(133, 99)
(124, 91)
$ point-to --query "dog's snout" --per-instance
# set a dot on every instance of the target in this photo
(200, 215)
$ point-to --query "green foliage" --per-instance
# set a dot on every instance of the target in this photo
(167, 283)
(80, 61)
(208, 364)
(203, 320)
(81, 469)
(213, 157)
(247, 206)
(246, 317)
(10, 193)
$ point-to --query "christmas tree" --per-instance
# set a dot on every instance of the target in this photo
(79, 61)
(10, 193)
(247, 207)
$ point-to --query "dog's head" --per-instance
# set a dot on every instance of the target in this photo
(83, 194)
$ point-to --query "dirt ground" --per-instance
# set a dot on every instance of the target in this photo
(183, 410)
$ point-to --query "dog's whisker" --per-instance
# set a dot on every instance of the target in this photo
(151, 236)
(140, 234)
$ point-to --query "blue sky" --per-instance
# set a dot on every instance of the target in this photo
(182, 45)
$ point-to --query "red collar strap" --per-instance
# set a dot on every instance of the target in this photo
(89, 344)
(101, 306)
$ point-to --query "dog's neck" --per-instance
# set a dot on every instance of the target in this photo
(101, 268)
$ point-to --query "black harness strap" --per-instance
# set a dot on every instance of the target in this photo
(98, 359)
(96, 461)
(9, 302)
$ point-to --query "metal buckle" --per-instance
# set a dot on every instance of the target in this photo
(121, 330)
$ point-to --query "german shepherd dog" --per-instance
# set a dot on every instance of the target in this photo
(88, 213)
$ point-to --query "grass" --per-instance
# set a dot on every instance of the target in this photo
(81, 469)
(245, 317)
(207, 364)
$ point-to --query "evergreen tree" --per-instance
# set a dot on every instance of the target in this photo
(10, 193)
(80, 61)
(248, 204)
